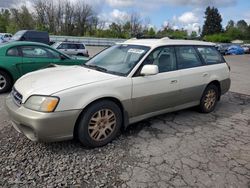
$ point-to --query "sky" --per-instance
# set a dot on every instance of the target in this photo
(187, 14)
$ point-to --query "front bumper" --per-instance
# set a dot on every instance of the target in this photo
(39, 126)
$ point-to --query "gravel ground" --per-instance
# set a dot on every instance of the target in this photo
(181, 149)
(178, 149)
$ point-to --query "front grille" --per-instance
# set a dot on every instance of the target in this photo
(17, 97)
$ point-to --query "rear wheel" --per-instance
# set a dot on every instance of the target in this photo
(80, 54)
(99, 124)
(209, 99)
(5, 82)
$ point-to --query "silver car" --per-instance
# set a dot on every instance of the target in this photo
(71, 48)
(122, 85)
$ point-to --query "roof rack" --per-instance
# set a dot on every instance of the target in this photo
(159, 38)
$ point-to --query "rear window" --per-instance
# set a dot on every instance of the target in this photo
(187, 57)
(80, 46)
(13, 52)
(210, 55)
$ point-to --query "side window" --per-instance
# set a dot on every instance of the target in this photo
(35, 52)
(210, 55)
(164, 57)
(53, 54)
(12, 52)
(80, 46)
(62, 46)
(187, 57)
(72, 46)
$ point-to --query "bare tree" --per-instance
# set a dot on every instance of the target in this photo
(83, 16)
(136, 24)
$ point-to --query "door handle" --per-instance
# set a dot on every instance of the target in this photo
(173, 81)
(205, 74)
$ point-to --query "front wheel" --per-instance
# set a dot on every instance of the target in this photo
(99, 124)
(5, 82)
(209, 99)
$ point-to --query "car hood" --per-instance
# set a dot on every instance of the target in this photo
(52, 80)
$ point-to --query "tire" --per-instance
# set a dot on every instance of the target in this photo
(209, 99)
(79, 55)
(5, 82)
(94, 121)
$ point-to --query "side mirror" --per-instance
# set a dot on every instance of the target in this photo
(148, 70)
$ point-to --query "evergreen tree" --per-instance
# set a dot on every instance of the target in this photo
(212, 24)
(242, 25)
(230, 25)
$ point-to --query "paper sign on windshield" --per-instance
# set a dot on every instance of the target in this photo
(136, 51)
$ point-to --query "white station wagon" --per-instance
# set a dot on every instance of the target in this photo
(124, 84)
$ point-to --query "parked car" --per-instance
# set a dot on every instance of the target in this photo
(234, 50)
(32, 35)
(246, 48)
(19, 58)
(122, 85)
(72, 48)
(222, 48)
(5, 37)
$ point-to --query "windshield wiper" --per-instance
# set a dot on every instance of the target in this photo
(96, 67)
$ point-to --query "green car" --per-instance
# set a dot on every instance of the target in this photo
(19, 58)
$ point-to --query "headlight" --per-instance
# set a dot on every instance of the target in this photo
(42, 103)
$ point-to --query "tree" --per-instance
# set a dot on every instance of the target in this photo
(136, 24)
(171, 33)
(22, 18)
(4, 20)
(212, 24)
(230, 24)
(234, 33)
(242, 26)
(193, 35)
(151, 32)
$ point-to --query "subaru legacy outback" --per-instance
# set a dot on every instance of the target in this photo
(124, 84)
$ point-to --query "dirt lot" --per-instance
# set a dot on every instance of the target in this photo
(181, 149)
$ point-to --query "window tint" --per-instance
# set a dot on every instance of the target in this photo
(210, 55)
(63, 46)
(13, 52)
(53, 54)
(72, 46)
(187, 57)
(35, 52)
(80, 46)
(164, 57)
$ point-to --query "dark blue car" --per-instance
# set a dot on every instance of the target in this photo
(234, 50)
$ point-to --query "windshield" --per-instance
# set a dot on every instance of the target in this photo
(18, 35)
(119, 59)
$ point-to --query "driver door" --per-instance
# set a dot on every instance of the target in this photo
(34, 58)
(157, 92)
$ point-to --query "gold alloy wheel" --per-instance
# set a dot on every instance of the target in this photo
(210, 99)
(102, 124)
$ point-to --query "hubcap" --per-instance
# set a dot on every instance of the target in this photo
(2, 82)
(210, 99)
(102, 124)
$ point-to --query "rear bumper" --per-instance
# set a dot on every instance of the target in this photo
(38, 126)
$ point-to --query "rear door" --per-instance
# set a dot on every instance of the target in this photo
(72, 49)
(193, 74)
(157, 92)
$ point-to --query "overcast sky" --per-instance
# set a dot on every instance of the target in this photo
(186, 14)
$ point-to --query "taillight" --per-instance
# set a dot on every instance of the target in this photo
(228, 66)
